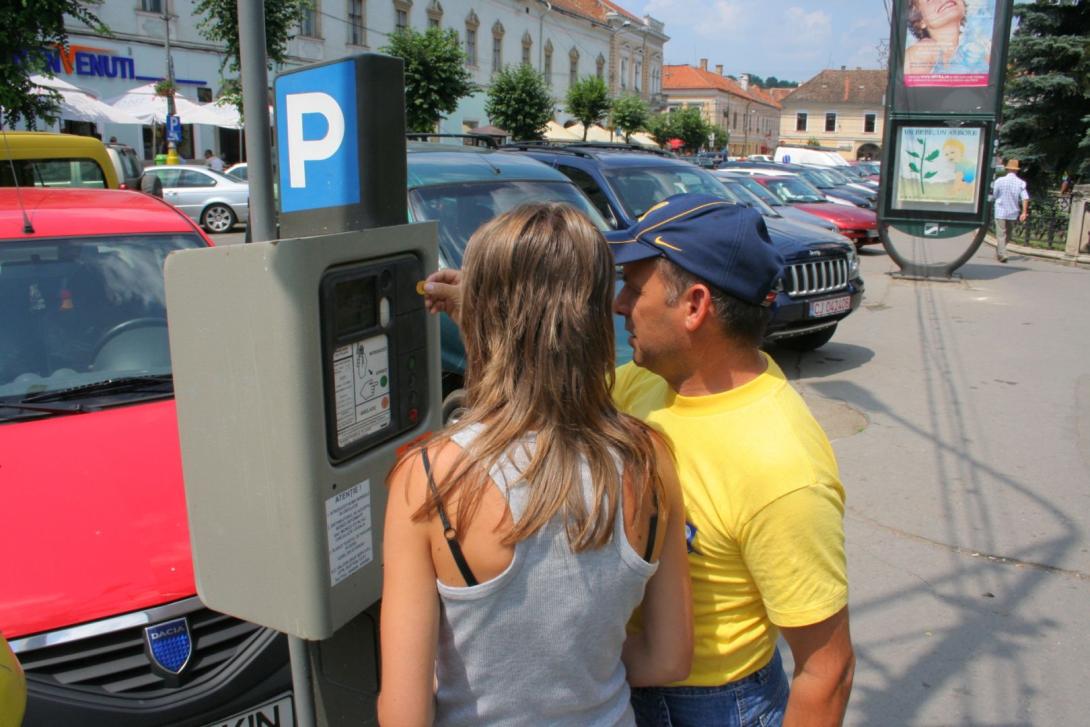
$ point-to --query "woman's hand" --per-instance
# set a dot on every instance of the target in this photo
(443, 293)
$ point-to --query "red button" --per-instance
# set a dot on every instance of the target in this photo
(413, 415)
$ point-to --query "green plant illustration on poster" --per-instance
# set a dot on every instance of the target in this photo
(922, 158)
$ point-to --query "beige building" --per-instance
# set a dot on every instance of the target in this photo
(841, 109)
(749, 114)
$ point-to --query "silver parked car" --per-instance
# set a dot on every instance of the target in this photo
(213, 199)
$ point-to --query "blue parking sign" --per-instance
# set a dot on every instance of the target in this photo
(316, 136)
(174, 128)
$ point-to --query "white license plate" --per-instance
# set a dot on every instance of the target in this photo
(872, 233)
(279, 712)
(822, 308)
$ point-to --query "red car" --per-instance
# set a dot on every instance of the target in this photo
(98, 598)
(858, 224)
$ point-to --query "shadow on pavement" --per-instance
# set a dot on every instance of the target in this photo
(831, 359)
(988, 271)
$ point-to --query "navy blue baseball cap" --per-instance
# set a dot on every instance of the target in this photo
(722, 243)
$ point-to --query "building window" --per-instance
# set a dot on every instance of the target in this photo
(830, 121)
(639, 76)
(435, 14)
(527, 46)
(357, 23)
(308, 22)
(402, 8)
(573, 67)
(472, 23)
(600, 66)
(800, 121)
(152, 6)
(624, 73)
(497, 47)
(734, 124)
(548, 69)
(870, 121)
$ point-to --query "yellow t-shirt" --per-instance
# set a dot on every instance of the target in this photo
(764, 514)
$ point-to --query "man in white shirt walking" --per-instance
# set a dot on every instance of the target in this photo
(1009, 192)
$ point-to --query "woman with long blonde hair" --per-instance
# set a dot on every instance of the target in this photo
(519, 540)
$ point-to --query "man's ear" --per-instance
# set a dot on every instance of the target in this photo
(697, 300)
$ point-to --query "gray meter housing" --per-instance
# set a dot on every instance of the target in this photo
(302, 368)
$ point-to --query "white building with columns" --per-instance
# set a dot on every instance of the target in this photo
(564, 39)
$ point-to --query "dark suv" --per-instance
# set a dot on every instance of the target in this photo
(821, 283)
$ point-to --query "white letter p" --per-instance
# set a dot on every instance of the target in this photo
(300, 150)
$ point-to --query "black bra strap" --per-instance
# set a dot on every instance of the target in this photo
(652, 529)
(449, 532)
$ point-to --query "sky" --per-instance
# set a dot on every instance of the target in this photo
(789, 39)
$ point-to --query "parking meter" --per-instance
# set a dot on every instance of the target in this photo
(303, 369)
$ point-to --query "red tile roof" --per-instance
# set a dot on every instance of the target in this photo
(843, 86)
(595, 9)
(678, 78)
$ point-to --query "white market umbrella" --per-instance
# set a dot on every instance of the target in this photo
(594, 133)
(148, 107)
(557, 132)
(78, 105)
(215, 114)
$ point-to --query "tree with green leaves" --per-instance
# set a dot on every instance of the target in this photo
(660, 127)
(436, 78)
(1046, 115)
(33, 29)
(519, 102)
(630, 114)
(588, 101)
(691, 127)
(219, 23)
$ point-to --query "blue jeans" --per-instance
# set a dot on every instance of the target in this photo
(758, 700)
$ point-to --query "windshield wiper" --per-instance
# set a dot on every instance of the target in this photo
(121, 384)
(76, 409)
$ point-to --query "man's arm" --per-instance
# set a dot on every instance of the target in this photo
(824, 667)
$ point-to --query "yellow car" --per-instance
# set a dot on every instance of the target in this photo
(12, 687)
(45, 159)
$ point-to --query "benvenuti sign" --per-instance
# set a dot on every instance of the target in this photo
(93, 61)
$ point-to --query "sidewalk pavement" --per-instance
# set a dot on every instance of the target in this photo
(1057, 255)
(960, 415)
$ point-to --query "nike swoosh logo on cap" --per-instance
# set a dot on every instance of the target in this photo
(662, 243)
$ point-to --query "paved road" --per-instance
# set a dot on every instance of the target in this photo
(960, 413)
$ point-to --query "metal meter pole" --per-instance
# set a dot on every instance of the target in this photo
(172, 149)
(255, 103)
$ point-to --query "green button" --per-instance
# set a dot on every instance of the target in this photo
(382, 382)
(412, 362)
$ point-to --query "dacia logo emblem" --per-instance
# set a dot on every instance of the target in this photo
(169, 645)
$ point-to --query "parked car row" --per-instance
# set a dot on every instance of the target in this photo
(88, 428)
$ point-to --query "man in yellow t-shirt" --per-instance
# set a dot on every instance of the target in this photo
(764, 503)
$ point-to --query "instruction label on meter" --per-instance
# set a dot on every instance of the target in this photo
(348, 530)
(361, 376)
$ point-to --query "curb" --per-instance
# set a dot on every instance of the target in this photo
(1080, 260)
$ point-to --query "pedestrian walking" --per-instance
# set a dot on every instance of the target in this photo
(519, 540)
(1011, 204)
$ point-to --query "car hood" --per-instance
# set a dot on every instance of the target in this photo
(841, 214)
(101, 526)
(795, 238)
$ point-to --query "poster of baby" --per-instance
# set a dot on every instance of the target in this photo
(938, 168)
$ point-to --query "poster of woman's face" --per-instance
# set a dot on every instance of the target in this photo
(948, 43)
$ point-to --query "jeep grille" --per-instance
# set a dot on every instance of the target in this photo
(819, 276)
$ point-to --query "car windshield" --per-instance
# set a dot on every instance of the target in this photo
(238, 173)
(749, 199)
(461, 208)
(818, 178)
(759, 191)
(640, 188)
(794, 189)
(869, 167)
(80, 311)
(837, 175)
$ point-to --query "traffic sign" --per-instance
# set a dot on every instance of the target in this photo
(174, 128)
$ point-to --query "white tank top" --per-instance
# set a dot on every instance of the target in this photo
(541, 642)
